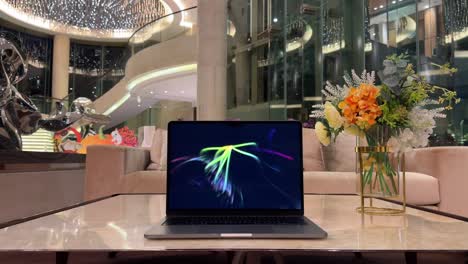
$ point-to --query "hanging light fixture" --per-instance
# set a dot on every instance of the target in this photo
(93, 14)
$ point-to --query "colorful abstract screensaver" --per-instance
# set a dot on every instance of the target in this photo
(248, 166)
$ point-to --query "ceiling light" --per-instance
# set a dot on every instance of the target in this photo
(151, 92)
(393, 2)
(275, 20)
(426, 6)
(182, 92)
(381, 6)
(165, 91)
(95, 14)
(375, 8)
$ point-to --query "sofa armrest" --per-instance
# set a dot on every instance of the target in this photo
(107, 165)
(450, 166)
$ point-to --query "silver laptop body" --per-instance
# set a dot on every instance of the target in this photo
(235, 179)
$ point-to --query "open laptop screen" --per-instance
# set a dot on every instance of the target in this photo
(235, 165)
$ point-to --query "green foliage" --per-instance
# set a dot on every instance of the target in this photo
(416, 88)
(396, 58)
(394, 113)
(415, 93)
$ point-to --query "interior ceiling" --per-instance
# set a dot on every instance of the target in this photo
(94, 14)
(103, 20)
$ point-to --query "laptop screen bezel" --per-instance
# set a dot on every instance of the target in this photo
(201, 212)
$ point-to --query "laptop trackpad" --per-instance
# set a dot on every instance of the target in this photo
(235, 229)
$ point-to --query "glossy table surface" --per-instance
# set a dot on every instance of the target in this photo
(118, 224)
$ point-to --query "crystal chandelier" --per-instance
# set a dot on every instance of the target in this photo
(94, 14)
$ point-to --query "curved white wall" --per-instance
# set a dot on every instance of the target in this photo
(173, 53)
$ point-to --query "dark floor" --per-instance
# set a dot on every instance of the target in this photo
(144, 257)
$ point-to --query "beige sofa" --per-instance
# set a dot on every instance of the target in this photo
(436, 176)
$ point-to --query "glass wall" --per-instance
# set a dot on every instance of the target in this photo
(95, 69)
(38, 50)
(431, 32)
(271, 53)
(281, 52)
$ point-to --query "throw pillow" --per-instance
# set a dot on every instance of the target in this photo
(311, 151)
(158, 153)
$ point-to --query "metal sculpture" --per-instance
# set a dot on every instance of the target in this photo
(82, 113)
(18, 114)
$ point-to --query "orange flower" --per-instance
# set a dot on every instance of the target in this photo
(360, 106)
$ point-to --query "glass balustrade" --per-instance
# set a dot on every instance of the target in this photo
(180, 23)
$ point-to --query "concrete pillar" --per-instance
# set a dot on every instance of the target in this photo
(212, 54)
(430, 31)
(60, 66)
(354, 55)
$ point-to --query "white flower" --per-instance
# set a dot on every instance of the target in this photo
(322, 133)
(421, 125)
(403, 142)
(335, 120)
(422, 119)
(318, 112)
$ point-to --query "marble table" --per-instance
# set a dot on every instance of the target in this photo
(119, 222)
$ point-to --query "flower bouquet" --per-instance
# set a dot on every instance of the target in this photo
(393, 117)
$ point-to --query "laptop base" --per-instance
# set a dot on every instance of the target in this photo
(309, 230)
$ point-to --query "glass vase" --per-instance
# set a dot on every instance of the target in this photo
(381, 172)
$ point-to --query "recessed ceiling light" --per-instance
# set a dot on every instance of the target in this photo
(275, 20)
(426, 6)
(182, 92)
(139, 105)
(151, 92)
(381, 6)
(375, 8)
(165, 91)
(393, 2)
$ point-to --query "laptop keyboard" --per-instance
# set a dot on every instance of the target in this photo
(236, 220)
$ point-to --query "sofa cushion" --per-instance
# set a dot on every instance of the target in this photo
(341, 154)
(329, 182)
(421, 189)
(311, 151)
(145, 182)
(158, 150)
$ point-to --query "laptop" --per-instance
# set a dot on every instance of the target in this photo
(235, 179)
